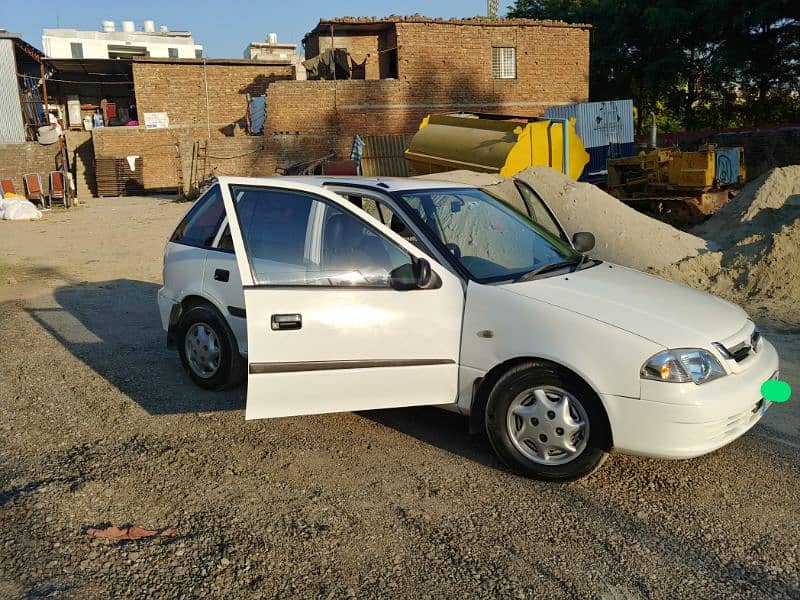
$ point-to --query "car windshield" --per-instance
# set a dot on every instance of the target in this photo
(490, 239)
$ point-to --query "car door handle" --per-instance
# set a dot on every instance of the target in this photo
(286, 322)
(222, 275)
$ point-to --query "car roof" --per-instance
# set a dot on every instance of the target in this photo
(390, 184)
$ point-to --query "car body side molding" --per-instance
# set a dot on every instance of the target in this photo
(335, 365)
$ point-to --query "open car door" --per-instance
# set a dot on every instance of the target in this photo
(333, 322)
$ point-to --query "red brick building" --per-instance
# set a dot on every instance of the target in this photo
(389, 73)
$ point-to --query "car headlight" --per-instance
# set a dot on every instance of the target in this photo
(683, 365)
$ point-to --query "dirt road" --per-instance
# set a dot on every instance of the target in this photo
(98, 425)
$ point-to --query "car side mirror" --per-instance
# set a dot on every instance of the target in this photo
(422, 272)
(416, 275)
(583, 241)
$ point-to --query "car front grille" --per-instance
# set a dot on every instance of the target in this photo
(742, 350)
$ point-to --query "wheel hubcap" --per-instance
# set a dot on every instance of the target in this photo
(548, 425)
(202, 350)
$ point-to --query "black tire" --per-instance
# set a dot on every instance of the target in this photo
(230, 371)
(518, 382)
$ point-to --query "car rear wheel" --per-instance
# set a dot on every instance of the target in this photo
(544, 422)
(208, 349)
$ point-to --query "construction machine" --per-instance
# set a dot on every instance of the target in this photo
(679, 187)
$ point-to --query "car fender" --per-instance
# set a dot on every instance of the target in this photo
(501, 327)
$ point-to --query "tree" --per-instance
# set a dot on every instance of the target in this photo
(698, 63)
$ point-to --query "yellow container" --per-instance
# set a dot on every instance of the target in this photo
(498, 145)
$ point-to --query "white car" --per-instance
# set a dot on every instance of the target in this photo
(366, 293)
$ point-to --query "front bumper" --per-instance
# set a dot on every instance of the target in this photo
(684, 420)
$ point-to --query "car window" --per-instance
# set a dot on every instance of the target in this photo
(387, 216)
(538, 211)
(491, 240)
(295, 238)
(201, 223)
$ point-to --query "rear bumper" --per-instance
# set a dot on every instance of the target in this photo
(673, 420)
(165, 305)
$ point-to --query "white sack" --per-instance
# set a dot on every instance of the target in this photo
(15, 209)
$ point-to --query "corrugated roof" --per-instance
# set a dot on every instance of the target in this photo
(90, 66)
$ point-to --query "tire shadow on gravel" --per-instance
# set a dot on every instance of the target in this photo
(114, 327)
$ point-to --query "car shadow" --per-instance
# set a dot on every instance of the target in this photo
(114, 327)
(440, 428)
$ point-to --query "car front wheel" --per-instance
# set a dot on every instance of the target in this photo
(544, 422)
(208, 349)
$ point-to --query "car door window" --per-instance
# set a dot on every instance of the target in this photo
(295, 238)
(538, 212)
(200, 225)
(383, 213)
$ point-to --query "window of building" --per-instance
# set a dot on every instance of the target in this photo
(77, 49)
(504, 62)
(173, 52)
(198, 53)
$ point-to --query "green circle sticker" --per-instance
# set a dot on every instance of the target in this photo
(775, 390)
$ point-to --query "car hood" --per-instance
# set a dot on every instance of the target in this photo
(669, 314)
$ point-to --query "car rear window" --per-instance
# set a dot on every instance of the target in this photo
(201, 223)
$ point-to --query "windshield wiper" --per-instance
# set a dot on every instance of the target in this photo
(574, 262)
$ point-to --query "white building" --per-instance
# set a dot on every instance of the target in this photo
(276, 53)
(127, 43)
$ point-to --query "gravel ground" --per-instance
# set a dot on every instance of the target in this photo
(98, 424)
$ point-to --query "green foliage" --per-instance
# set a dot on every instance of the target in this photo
(696, 64)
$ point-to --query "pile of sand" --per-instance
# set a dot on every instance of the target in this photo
(758, 236)
(624, 236)
(749, 252)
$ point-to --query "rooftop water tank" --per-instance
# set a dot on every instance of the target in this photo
(164, 29)
(272, 38)
(149, 26)
(109, 26)
(128, 27)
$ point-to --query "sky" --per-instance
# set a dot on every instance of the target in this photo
(224, 27)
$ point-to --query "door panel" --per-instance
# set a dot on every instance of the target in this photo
(360, 344)
(356, 349)
(227, 294)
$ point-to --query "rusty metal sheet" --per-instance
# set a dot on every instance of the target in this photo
(383, 156)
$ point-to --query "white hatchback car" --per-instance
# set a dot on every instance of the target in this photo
(362, 293)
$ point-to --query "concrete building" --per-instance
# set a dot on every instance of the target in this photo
(125, 43)
(276, 53)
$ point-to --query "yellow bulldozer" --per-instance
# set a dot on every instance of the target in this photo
(680, 187)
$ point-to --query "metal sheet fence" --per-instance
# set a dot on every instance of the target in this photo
(599, 123)
(12, 128)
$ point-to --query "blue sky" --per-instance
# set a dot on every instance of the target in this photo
(224, 27)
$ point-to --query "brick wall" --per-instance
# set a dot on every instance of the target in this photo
(179, 89)
(441, 67)
(179, 158)
(450, 63)
(30, 157)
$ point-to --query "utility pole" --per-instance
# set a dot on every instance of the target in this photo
(492, 8)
